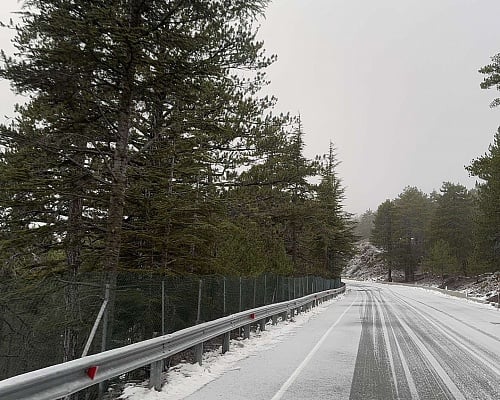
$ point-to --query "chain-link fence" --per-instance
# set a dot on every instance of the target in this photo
(49, 321)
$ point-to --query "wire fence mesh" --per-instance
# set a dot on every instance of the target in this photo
(49, 321)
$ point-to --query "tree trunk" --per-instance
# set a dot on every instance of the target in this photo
(119, 175)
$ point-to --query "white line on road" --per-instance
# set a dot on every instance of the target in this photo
(279, 394)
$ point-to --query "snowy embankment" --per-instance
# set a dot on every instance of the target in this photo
(368, 265)
(185, 378)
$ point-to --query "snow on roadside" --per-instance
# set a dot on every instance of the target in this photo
(184, 379)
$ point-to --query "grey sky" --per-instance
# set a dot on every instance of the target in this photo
(393, 83)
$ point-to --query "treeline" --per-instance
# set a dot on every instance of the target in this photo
(446, 233)
(144, 146)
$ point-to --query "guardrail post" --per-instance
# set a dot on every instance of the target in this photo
(155, 375)
(274, 319)
(225, 342)
(246, 333)
(262, 324)
(198, 353)
(284, 316)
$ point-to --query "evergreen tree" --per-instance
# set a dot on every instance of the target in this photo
(334, 227)
(364, 225)
(412, 213)
(452, 224)
(487, 168)
(383, 233)
(492, 79)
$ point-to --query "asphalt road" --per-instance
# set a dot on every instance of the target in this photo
(378, 342)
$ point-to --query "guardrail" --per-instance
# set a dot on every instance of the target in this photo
(64, 379)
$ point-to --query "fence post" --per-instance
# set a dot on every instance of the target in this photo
(254, 290)
(104, 336)
(283, 288)
(265, 288)
(239, 309)
(224, 296)
(163, 307)
(198, 314)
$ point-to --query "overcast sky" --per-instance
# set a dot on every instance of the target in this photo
(393, 83)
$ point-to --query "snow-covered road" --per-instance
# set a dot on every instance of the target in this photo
(377, 342)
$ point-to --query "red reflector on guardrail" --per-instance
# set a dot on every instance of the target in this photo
(252, 316)
(92, 371)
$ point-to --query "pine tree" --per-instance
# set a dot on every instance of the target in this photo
(492, 79)
(383, 233)
(364, 225)
(334, 227)
(412, 213)
(487, 168)
(452, 224)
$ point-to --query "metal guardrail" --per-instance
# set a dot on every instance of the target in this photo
(70, 377)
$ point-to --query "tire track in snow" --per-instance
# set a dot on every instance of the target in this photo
(474, 374)
(394, 364)
(434, 367)
(372, 371)
(475, 328)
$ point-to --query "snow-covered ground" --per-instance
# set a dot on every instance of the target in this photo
(186, 378)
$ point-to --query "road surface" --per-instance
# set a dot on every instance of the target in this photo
(378, 342)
